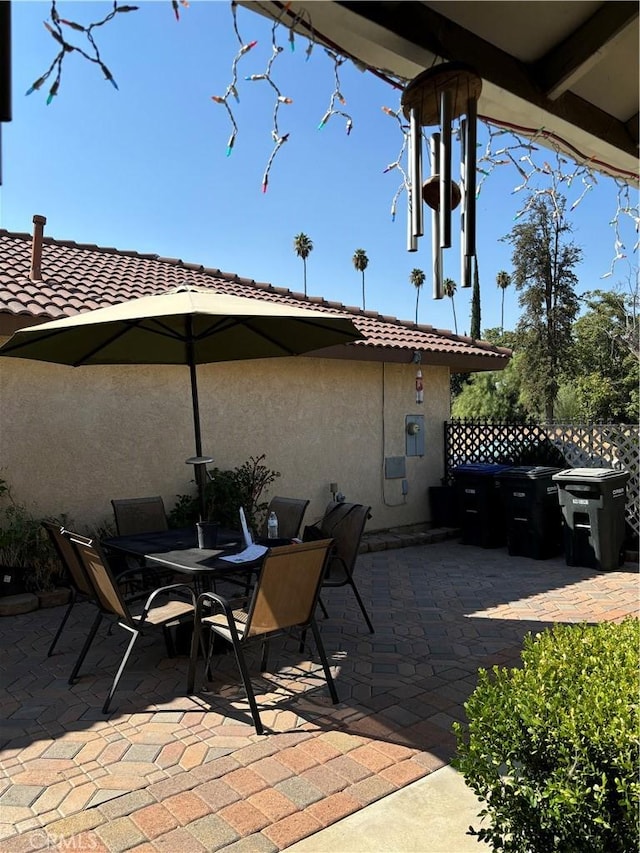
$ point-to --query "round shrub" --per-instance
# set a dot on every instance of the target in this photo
(552, 747)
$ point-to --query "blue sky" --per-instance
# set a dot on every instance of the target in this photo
(144, 167)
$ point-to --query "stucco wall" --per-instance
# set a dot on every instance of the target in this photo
(73, 438)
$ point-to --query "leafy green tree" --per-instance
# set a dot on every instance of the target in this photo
(503, 280)
(605, 367)
(494, 395)
(361, 262)
(475, 303)
(543, 272)
(303, 247)
(449, 288)
(417, 277)
(501, 338)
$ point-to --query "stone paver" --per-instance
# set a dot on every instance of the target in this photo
(170, 772)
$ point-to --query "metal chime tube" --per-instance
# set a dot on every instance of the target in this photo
(445, 169)
(470, 180)
(412, 240)
(436, 251)
(465, 260)
(415, 166)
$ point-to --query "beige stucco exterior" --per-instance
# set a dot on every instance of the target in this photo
(71, 439)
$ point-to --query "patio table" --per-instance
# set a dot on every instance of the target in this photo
(178, 550)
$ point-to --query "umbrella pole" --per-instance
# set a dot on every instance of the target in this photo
(196, 409)
(199, 470)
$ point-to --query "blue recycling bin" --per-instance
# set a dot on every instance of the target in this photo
(532, 511)
(593, 504)
(479, 504)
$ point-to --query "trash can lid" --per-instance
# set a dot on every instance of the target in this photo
(535, 472)
(482, 468)
(589, 475)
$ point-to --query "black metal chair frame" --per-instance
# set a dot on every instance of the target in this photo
(111, 603)
(336, 515)
(265, 590)
(79, 583)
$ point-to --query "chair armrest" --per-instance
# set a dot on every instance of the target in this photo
(225, 604)
(338, 559)
(165, 589)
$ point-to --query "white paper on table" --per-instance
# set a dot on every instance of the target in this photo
(246, 533)
(253, 552)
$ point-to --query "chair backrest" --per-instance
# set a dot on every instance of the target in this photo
(345, 524)
(290, 512)
(139, 515)
(67, 554)
(287, 589)
(102, 580)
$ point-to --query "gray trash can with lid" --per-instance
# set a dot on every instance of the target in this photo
(593, 510)
(532, 511)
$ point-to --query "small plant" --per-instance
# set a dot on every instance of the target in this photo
(225, 493)
(25, 545)
(552, 747)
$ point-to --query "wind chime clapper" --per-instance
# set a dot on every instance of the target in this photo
(435, 98)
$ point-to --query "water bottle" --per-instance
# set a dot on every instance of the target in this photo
(272, 526)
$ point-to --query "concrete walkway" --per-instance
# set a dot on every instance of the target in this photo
(428, 816)
(170, 772)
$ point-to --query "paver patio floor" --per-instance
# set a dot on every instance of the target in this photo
(169, 772)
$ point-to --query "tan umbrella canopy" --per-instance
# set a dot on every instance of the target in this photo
(187, 325)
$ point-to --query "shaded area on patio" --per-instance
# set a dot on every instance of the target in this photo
(172, 772)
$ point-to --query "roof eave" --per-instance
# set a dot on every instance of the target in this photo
(456, 362)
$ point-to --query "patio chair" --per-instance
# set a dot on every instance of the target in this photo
(290, 512)
(81, 589)
(344, 523)
(284, 597)
(142, 515)
(111, 603)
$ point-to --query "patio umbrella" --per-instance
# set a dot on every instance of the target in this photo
(186, 325)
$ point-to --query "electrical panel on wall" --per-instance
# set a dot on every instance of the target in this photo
(395, 468)
(414, 435)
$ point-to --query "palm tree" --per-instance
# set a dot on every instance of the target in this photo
(416, 277)
(361, 262)
(303, 245)
(449, 288)
(503, 280)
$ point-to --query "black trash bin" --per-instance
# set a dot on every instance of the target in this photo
(443, 506)
(593, 508)
(531, 511)
(479, 507)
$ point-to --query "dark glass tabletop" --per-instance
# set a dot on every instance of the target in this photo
(179, 549)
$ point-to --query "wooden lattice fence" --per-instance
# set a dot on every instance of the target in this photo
(558, 445)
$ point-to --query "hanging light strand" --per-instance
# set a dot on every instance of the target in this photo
(267, 75)
(625, 209)
(535, 164)
(300, 18)
(336, 95)
(232, 88)
(397, 163)
(54, 27)
(176, 7)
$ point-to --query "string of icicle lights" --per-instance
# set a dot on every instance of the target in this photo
(546, 161)
(283, 25)
(507, 145)
(58, 28)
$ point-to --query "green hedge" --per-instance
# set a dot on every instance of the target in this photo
(552, 747)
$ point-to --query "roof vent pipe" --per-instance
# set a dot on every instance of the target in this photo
(35, 273)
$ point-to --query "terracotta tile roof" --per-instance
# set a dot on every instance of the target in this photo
(79, 277)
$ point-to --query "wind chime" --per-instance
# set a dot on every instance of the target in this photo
(436, 97)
